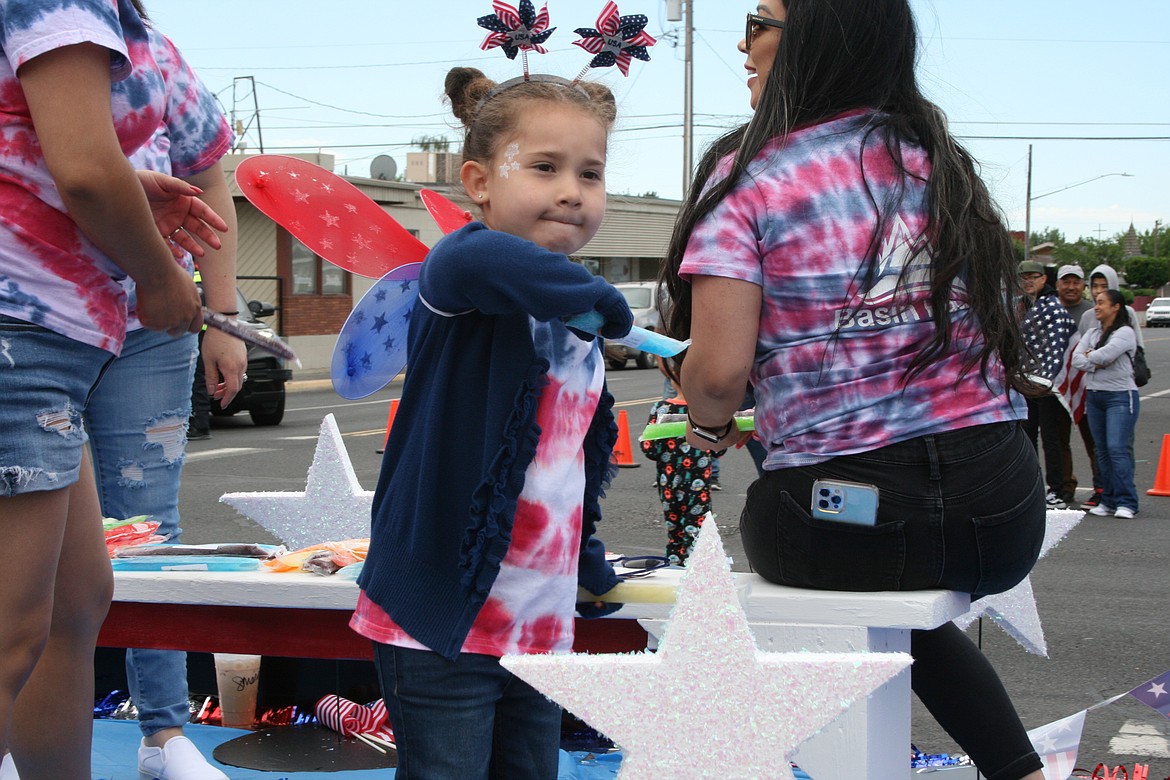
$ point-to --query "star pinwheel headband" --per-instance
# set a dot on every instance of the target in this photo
(616, 40)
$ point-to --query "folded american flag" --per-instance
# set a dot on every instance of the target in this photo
(1069, 383)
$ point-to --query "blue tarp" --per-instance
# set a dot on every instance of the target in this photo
(115, 752)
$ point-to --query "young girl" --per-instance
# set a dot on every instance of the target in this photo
(484, 513)
(1112, 401)
(685, 476)
(841, 254)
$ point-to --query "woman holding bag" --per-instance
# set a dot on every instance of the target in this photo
(1112, 403)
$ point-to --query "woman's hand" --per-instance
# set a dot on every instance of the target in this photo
(168, 300)
(180, 216)
(225, 359)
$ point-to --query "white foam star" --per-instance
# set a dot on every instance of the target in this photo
(708, 685)
(1015, 610)
(332, 506)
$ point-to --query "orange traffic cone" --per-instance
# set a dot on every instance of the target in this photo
(389, 423)
(1162, 477)
(623, 454)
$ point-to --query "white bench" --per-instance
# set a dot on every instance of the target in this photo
(872, 739)
(199, 611)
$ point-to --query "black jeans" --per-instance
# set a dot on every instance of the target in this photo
(1049, 421)
(963, 510)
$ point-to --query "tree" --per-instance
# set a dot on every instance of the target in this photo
(432, 143)
(1147, 272)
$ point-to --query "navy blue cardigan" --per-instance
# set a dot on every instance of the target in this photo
(465, 431)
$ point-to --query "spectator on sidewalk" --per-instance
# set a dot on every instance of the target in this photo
(1106, 353)
(1047, 327)
(1070, 287)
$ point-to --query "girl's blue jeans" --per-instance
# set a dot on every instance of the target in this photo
(137, 424)
(467, 719)
(1112, 417)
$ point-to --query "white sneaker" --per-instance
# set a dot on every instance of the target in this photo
(1124, 513)
(178, 759)
(8, 769)
(1101, 510)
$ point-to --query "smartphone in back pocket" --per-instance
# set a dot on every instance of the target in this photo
(845, 502)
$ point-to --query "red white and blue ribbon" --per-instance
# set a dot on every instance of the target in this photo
(616, 40)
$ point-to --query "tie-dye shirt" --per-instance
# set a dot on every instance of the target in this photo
(530, 607)
(192, 118)
(833, 347)
(51, 274)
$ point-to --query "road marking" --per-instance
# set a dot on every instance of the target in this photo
(1158, 394)
(1140, 739)
(226, 452)
(639, 401)
(340, 402)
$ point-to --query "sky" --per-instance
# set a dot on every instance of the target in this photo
(1085, 84)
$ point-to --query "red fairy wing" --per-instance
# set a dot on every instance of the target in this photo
(328, 215)
(446, 214)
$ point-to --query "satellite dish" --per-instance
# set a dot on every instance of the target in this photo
(383, 167)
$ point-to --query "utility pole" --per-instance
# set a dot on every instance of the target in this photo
(239, 126)
(1157, 225)
(683, 10)
(1028, 209)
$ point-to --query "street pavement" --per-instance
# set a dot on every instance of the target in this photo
(1101, 594)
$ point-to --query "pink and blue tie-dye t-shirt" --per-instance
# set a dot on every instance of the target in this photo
(833, 346)
(530, 606)
(193, 136)
(50, 274)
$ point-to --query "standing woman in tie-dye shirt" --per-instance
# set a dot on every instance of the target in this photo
(841, 254)
(79, 90)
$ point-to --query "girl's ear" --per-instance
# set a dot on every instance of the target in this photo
(475, 181)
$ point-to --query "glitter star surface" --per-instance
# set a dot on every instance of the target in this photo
(1015, 610)
(332, 506)
(708, 703)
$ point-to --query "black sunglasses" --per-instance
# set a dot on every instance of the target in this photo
(756, 25)
(642, 564)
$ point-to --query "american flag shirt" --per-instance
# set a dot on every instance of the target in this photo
(50, 274)
(833, 345)
(530, 607)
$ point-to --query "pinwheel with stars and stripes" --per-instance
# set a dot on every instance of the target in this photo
(616, 40)
(516, 29)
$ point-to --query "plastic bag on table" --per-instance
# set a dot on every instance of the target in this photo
(135, 530)
(324, 558)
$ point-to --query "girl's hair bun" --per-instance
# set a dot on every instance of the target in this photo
(465, 88)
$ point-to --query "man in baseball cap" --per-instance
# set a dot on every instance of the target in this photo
(1070, 287)
(1047, 327)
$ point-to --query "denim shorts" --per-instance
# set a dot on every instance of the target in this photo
(45, 381)
(962, 510)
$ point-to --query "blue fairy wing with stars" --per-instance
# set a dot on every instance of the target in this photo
(371, 348)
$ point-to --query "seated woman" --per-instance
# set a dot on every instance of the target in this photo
(840, 253)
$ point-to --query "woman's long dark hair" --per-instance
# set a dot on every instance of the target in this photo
(1121, 320)
(839, 55)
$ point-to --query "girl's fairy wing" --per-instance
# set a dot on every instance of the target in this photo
(371, 348)
(446, 214)
(327, 214)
